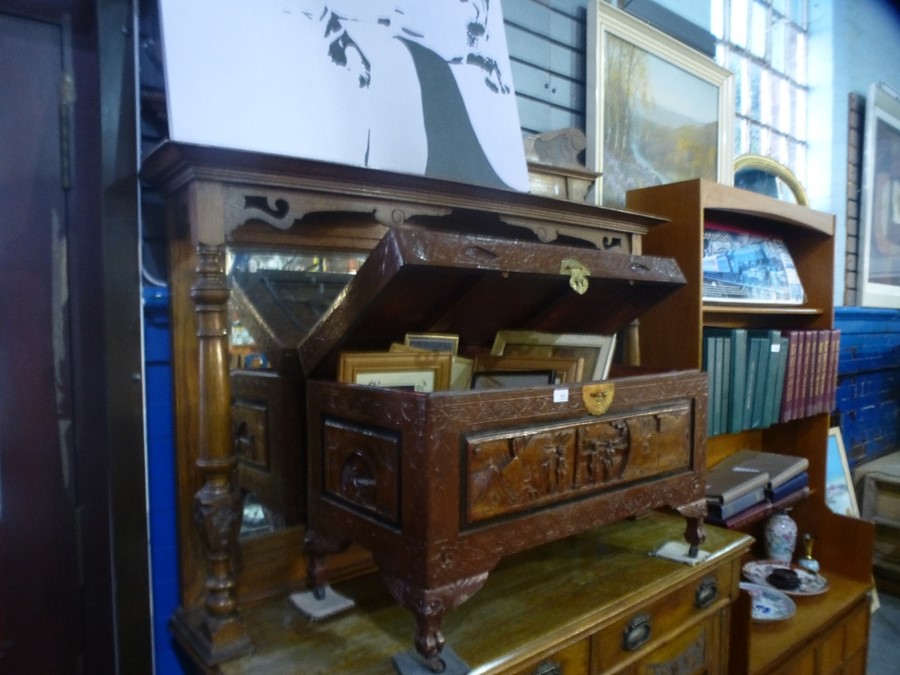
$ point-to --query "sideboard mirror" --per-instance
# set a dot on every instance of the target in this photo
(277, 296)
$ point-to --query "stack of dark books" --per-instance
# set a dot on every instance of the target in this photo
(750, 485)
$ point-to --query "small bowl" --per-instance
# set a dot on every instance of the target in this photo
(784, 578)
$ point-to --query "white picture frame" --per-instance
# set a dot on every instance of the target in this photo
(596, 351)
(879, 247)
(649, 92)
(839, 493)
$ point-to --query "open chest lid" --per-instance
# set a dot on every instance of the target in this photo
(420, 281)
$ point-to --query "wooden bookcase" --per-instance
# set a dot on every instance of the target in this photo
(829, 630)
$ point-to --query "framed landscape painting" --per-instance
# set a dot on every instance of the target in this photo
(657, 110)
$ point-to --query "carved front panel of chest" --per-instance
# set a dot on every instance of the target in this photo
(510, 471)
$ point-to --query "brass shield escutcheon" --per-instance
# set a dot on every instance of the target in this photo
(598, 397)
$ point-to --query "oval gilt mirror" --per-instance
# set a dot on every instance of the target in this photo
(766, 176)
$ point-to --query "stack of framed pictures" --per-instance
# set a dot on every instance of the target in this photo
(427, 362)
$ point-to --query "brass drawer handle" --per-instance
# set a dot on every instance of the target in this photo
(548, 668)
(707, 592)
(636, 633)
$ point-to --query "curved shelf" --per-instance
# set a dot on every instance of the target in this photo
(768, 310)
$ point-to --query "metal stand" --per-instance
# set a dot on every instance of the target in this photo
(411, 663)
(321, 603)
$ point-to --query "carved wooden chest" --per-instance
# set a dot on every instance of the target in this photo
(440, 486)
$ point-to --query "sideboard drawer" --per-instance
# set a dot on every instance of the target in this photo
(650, 626)
(571, 660)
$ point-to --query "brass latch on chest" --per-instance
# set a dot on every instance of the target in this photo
(578, 274)
(598, 397)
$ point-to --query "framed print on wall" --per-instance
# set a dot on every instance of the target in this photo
(879, 259)
(657, 110)
(839, 493)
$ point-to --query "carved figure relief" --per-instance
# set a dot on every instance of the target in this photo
(517, 470)
(603, 452)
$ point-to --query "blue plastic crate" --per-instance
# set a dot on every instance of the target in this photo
(868, 393)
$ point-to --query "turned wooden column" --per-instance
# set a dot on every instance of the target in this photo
(217, 505)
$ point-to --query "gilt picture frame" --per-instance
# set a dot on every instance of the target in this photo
(433, 342)
(423, 372)
(657, 111)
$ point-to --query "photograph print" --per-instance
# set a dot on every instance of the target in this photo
(402, 85)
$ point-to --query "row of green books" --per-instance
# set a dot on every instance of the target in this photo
(758, 378)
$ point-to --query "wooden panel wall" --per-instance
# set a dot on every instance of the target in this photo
(546, 40)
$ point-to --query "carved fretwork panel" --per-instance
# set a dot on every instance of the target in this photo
(283, 208)
(361, 468)
(513, 470)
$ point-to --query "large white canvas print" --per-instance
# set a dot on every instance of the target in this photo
(402, 85)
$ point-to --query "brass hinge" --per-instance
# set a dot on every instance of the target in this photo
(578, 274)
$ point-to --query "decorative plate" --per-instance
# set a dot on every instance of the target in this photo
(768, 603)
(757, 571)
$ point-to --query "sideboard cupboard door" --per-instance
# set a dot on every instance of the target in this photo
(694, 651)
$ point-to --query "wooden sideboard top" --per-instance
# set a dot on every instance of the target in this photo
(242, 186)
(533, 603)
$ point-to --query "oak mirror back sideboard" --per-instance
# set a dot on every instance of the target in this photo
(278, 265)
